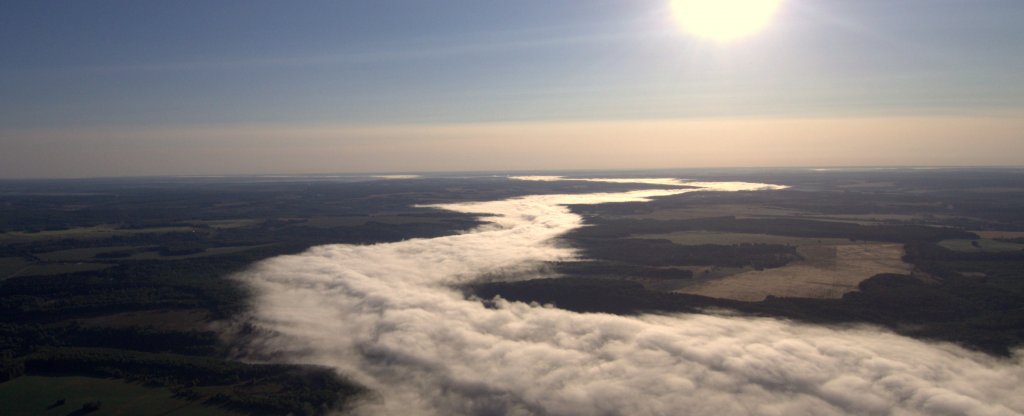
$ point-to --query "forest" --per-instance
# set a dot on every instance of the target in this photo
(130, 278)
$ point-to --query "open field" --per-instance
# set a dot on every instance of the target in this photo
(820, 262)
(133, 253)
(226, 224)
(868, 184)
(212, 251)
(87, 233)
(981, 245)
(827, 272)
(357, 220)
(82, 254)
(39, 395)
(869, 219)
(51, 269)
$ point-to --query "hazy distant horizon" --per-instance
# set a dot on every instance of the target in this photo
(636, 144)
(206, 88)
(427, 174)
(531, 207)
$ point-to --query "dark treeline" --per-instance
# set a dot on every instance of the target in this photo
(955, 309)
(294, 234)
(263, 389)
(973, 298)
(36, 205)
(611, 269)
(970, 298)
(40, 334)
(24, 338)
(619, 228)
(657, 252)
(157, 240)
(41, 329)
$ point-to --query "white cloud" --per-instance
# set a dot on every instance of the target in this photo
(389, 316)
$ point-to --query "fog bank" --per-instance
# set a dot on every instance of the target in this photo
(390, 316)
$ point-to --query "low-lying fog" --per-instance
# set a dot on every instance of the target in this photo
(390, 316)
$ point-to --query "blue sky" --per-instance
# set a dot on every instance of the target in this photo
(147, 66)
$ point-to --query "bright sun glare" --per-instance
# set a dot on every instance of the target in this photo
(723, 19)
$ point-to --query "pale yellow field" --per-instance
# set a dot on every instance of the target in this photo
(829, 271)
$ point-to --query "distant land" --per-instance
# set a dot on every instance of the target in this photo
(259, 294)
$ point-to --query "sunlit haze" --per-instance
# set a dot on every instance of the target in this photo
(515, 207)
(723, 19)
(263, 87)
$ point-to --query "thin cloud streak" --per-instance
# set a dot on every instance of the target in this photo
(390, 315)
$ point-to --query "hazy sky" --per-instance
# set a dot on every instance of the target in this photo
(212, 87)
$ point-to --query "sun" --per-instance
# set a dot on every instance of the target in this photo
(723, 20)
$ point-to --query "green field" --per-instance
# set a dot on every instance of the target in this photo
(84, 259)
(51, 269)
(139, 253)
(82, 254)
(212, 251)
(981, 245)
(90, 233)
(357, 220)
(227, 224)
(39, 395)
